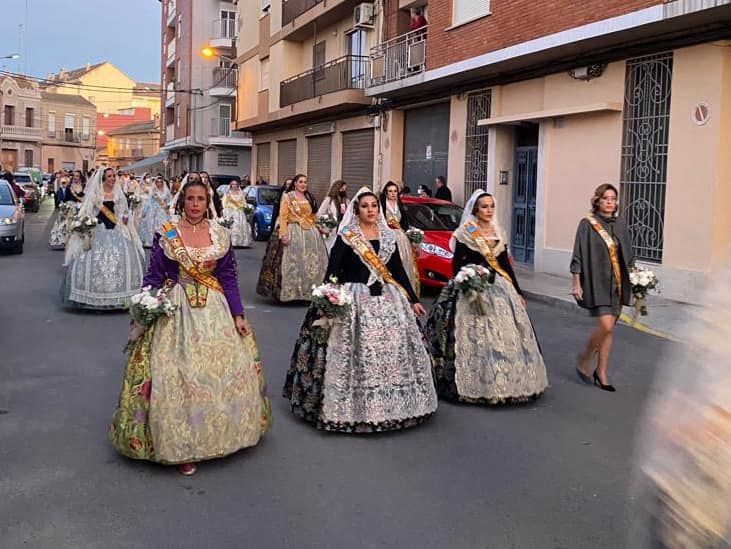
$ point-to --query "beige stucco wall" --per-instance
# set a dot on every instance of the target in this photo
(390, 149)
(456, 152)
(61, 154)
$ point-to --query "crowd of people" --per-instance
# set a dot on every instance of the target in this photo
(193, 387)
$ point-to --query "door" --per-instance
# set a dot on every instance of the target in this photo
(524, 203)
(9, 160)
(319, 154)
(358, 56)
(426, 145)
(357, 163)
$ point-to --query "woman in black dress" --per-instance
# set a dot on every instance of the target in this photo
(600, 266)
(368, 370)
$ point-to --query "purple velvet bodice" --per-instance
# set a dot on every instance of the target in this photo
(162, 268)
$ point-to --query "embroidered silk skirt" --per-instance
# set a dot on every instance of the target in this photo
(367, 372)
(241, 230)
(59, 231)
(151, 219)
(106, 275)
(407, 256)
(485, 351)
(193, 388)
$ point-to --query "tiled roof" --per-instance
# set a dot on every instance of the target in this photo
(74, 74)
(67, 99)
(138, 127)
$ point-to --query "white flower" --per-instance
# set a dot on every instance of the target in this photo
(149, 302)
(135, 299)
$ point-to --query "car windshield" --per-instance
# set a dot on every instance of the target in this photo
(22, 178)
(433, 217)
(6, 199)
(269, 197)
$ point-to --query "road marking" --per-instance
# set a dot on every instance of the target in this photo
(633, 323)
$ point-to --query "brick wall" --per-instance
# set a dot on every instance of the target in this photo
(511, 22)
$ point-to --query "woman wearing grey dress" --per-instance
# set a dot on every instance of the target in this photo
(600, 266)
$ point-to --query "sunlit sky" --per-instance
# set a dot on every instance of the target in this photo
(71, 33)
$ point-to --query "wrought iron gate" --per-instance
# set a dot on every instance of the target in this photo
(475, 169)
(524, 204)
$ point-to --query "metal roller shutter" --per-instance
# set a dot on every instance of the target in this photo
(262, 161)
(287, 160)
(358, 158)
(319, 153)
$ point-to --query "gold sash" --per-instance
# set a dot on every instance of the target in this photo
(197, 296)
(612, 248)
(366, 252)
(393, 221)
(160, 203)
(239, 205)
(297, 209)
(109, 214)
(478, 238)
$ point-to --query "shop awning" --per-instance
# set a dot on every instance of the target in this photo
(551, 113)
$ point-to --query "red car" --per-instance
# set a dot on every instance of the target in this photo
(437, 218)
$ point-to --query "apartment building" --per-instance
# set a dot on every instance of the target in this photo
(199, 91)
(132, 143)
(20, 124)
(541, 102)
(303, 70)
(69, 132)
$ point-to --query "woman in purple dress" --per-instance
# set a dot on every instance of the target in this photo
(193, 387)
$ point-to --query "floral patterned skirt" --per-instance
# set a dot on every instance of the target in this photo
(193, 389)
(59, 233)
(241, 229)
(486, 352)
(366, 372)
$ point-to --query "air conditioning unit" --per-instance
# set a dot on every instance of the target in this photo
(363, 16)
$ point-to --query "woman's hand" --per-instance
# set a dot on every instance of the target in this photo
(577, 292)
(418, 309)
(285, 240)
(242, 327)
(125, 219)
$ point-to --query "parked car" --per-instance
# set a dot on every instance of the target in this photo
(438, 219)
(32, 197)
(12, 229)
(222, 189)
(263, 198)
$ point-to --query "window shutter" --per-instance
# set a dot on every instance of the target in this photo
(466, 10)
(358, 158)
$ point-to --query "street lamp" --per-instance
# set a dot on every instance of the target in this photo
(11, 56)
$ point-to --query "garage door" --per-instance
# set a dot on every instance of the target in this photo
(319, 152)
(262, 161)
(358, 158)
(287, 160)
(426, 145)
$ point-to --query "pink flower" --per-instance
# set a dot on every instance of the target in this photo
(332, 299)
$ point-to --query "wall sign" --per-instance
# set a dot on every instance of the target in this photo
(701, 114)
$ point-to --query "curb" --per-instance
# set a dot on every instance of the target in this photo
(570, 306)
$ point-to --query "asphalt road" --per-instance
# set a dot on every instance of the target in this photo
(554, 474)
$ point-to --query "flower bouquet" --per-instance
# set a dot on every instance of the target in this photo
(332, 299)
(134, 202)
(84, 225)
(415, 236)
(642, 280)
(66, 208)
(326, 222)
(146, 307)
(248, 211)
(226, 221)
(471, 281)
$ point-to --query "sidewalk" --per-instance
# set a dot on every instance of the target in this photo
(666, 318)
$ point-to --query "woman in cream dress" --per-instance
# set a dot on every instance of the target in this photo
(154, 211)
(193, 387)
(234, 206)
(335, 204)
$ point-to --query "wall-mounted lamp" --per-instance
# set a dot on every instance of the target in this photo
(503, 177)
(588, 72)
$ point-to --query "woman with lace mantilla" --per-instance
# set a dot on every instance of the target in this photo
(154, 211)
(193, 387)
(395, 213)
(234, 206)
(368, 370)
(105, 268)
(295, 260)
(484, 347)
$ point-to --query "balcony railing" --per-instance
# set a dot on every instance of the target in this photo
(345, 73)
(22, 132)
(71, 137)
(295, 8)
(171, 13)
(224, 28)
(171, 52)
(398, 58)
(137, 153)
(224, 77)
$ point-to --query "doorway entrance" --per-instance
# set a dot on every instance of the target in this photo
(525, 186)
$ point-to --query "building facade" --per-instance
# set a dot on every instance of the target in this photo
(198, 93)
(69, 132)
(20, 124)
(132, 143)
(303, 69)
(541, 103)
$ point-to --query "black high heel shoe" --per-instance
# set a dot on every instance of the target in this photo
(603, 387)
(582, 376)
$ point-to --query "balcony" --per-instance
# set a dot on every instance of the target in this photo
(221, 134)
(137, 153)
(170, 133)
(345, 73)
(170, 95)
(171, 54)
(223, 33)
(399, 58)
(300, 17)
(71, 137)
(21, 133)
(224, 82)
(172, 12)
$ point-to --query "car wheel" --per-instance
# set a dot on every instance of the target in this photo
(19, 246)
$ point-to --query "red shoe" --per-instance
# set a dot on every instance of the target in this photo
(187, 469)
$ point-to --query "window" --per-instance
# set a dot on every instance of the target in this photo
(28, 158)
(52, 124)
(51, 165)
(464, 11)
(264, 74)
(68, 127)
(358, 52)
(9, 115)
(29, 115)
(177, 115)
(318, 54)
(85, 129)
(228, 24)
(224, 120)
